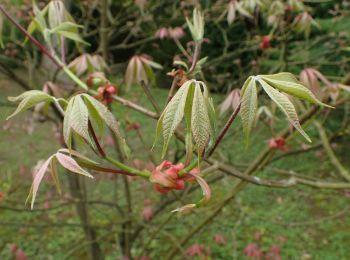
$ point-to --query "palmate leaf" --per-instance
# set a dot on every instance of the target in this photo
(106, 116)
(56, 11)
(286, 82)
(192, 102)
(173, 114)
(66, 162)
(249, 105)
(285, 105)
(200, 123)
(39, 175)
(29, 99)
(79, 117)
(72, 36)
(71, 165)
(188, 116)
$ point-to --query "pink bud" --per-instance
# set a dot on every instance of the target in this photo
(20, 255)
(220, 239)
(13, 248)
(176, 33)
(265, 43)
(253, 251)
(162, 33)
(195, 250)
(147, 213)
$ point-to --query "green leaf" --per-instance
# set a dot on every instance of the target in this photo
(65, 27)
(110, 121)
(39, 17)
(79, 118)
(173, 114)
(249, 106)
(285, 105)
(188, 116)
(29, 99)
(67, 133)
(72, 36)
(200, 120)
(212, 117)
(286, 82)
(55, 13)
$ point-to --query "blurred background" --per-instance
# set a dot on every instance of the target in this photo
(100, 218)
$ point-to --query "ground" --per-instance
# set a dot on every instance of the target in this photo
(305, 223)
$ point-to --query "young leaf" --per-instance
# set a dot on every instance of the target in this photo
(37, 179)
(110, 121)
(72, 36)
(286, 82)
(29, 99)
(200, 120)
(55, 13)
(188, 116)
(78, 119)
(65, 26)
(78, 155)
(54, 175)
(249, 105)
(70, 164)
(67, 133)
(285, 105)
(173, 114)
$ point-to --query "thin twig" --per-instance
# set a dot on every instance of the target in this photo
(224, 130)
(150, 96)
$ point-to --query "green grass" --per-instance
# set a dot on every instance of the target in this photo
(312, 222)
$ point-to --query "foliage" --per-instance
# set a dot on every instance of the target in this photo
(193, 145)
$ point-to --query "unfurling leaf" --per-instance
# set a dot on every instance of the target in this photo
(200, 123)
(274, 86)
(173, 114)
(191, 101)
(140, 70)
(66, 161)
(79, 111)
(249, 105)
(79, 118)
(29, 99)
(71, 165)
(196, 26)
(106, 116)
(206, 195)
(286, 82)
(285, 105)
(39, 175)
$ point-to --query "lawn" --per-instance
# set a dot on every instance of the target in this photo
(301, 222)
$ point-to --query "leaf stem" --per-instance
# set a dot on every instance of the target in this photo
(150, 97)
(98, 145)
(196, 55)
(124, 167)
(224, 131)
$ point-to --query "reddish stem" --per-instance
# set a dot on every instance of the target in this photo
(98, 145)
(31, 38)
(224, 130)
